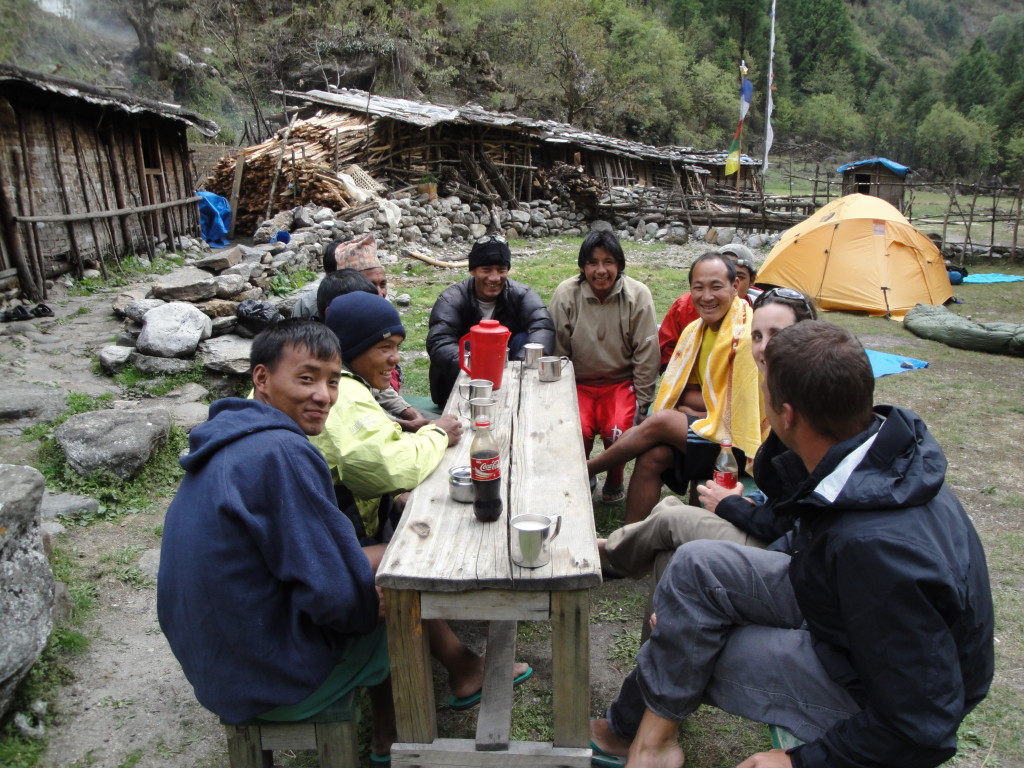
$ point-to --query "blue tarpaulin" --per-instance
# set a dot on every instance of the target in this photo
(892, 165)
(214, 219)
(993, 277)
(884, 364)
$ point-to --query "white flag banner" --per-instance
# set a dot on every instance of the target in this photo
(769, 133)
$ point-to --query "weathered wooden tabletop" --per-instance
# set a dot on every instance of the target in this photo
(440, 546)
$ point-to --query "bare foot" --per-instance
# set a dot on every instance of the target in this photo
(666, 757)
(470, 677)
(655, 744)
(604, 737)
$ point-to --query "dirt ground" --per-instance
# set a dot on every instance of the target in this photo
(129, 704)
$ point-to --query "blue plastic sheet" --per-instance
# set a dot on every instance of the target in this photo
(884, 364)
(992, 277)
(214, 219)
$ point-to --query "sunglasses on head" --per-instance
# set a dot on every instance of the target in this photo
(488, 238)
(784, 293)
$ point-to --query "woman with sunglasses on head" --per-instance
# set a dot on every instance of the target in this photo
(726, 514)
(605, 323)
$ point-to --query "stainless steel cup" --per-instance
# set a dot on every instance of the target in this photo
(551, 367)
(475, 388)
(532, 352)
(532, 535)
(477, 407)
(460, 484)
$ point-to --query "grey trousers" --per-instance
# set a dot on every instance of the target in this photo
(649, 545)
(729, 633)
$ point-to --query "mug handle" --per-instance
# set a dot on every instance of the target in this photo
(561, 367)
(558, 527)
(462, 352)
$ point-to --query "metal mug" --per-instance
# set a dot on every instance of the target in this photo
(460, 483)
(478, 406)
(551, 367)
(532, 352)
(532, 535)
(475, 388)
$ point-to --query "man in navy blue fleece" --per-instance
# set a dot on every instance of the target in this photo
(264, 593)
(870, 637)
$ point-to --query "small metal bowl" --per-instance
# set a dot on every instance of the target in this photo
(460, 484)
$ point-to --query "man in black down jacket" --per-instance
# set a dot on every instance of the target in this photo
(486, 293)
(871, 637)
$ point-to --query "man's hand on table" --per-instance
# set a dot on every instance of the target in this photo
(452, 426)
(712, 493)
(411, 420)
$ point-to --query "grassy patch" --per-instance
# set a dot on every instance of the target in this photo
(285, 283)
(124, 568)
(142, 384)
(625, 647)
(617, 603)
(160, 477)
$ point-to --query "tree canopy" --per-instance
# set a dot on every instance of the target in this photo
(886, 77)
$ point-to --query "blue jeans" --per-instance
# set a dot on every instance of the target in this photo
(730, 634)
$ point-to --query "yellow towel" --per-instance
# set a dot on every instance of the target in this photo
(735, 411)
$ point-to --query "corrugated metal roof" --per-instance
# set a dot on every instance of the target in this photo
(427, 115)
(106, 97)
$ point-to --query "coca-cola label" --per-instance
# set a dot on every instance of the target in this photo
(486, 469)
(725, 479)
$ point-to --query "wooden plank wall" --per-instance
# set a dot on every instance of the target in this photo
(62, 158)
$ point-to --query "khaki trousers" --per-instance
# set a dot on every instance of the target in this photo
(648, 546)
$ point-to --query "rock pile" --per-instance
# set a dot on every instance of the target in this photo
(193, 312)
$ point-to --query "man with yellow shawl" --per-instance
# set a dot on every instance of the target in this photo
(710, 393)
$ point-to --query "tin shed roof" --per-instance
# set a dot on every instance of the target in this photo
(106, 97)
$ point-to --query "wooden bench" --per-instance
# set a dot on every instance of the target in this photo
(332, 733)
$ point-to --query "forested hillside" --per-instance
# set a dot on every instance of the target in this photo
(933, 83)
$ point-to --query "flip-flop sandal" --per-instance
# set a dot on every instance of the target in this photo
(468, 702)
(41, 310)
(20, 312)
(383, 761)
(613, 495)
(603, 759)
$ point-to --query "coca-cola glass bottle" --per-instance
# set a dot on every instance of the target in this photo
(727, 471)
(486, 463)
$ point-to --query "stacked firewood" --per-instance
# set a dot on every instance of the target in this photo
(298, 165)
(568, 184)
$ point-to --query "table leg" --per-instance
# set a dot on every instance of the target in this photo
(570, 667)
(412, 683)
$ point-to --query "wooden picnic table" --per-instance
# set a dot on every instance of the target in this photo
(443, 563)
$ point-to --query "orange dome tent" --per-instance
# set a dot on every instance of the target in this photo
(859, 253)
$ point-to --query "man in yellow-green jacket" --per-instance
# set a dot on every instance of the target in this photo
(370, 457)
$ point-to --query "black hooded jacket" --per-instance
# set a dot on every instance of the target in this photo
(891, 579)
(456, 310)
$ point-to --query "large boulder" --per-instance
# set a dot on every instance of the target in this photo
(114, 357)
(173, 330)
(26, 581)
(186, 284)
(222, 259)
(159, 366)
(120, 442)
(226, 354)
(28, 403)
(136, 310)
